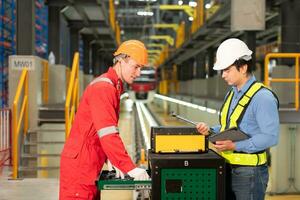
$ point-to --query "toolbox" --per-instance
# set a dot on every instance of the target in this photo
(167, 139)
(187, 176)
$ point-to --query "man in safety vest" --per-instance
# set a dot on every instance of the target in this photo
(252, 108)
(94, 137)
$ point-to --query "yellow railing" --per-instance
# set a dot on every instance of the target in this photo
(284, 80)
(67, 78)
(17, 118)
(72, 99)
(45, 82)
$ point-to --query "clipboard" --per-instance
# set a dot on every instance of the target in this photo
(232, 134)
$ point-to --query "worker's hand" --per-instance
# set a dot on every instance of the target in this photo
(225, 145)
(139, 174)
(119, 173)
(202, 128)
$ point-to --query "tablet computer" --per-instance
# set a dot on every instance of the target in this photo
(232, 134)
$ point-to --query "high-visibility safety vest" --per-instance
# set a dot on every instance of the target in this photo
(234, 119)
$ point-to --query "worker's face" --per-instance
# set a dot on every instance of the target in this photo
(130, 70)
(233, 76)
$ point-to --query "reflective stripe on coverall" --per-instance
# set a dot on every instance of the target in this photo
(93, 137)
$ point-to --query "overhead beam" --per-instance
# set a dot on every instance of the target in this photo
(85, 18)
(91, 23)
(168, 38)
(70, 3)
(173, 26)
(102, 37)
(154, 51)
(155, 45)
(186, 8)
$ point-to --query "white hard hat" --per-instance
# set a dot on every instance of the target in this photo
(229, 51)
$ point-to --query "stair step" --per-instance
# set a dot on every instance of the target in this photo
(45, 108)
(25, 155)
(30, 131)
(50, 130)
(50, 142)
(25, 168)
(51, 120)
(51, 112)
(55, 106)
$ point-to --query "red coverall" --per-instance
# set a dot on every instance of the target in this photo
(94, 137)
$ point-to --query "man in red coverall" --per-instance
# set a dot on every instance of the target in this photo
(94, 136)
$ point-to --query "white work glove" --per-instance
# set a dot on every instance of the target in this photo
(138, 174)
(119, 173)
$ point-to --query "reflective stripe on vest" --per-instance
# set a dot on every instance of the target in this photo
(234, 119)
(244, 158)
(240, 108)
(99, 79)
(107, 130)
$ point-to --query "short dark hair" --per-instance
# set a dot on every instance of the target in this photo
(241, 62)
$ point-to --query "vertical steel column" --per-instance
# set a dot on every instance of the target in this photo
(95, 59)
(290, 26)
(251, 42)
(200, 65)
(74, 41)
(25, 27)
(87, 64)
(104, 60)
(211, 60)
(54, 31)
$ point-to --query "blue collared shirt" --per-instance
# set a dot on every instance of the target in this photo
(260, 121)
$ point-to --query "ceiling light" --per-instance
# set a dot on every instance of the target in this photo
(144, 13)
(192, 3)
(180, 2)
(208, 6)
(64, 9)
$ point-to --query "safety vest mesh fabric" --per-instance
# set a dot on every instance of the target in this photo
(110, 129)
(234, 120)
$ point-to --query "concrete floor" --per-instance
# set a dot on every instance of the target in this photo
(47, 189)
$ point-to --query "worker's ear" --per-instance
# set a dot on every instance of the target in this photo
(243, 69)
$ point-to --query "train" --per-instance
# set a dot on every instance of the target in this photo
(144, 87)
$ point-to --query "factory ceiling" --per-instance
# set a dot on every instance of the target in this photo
(156, 23)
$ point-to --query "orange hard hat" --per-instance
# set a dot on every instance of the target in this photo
(135, 49)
